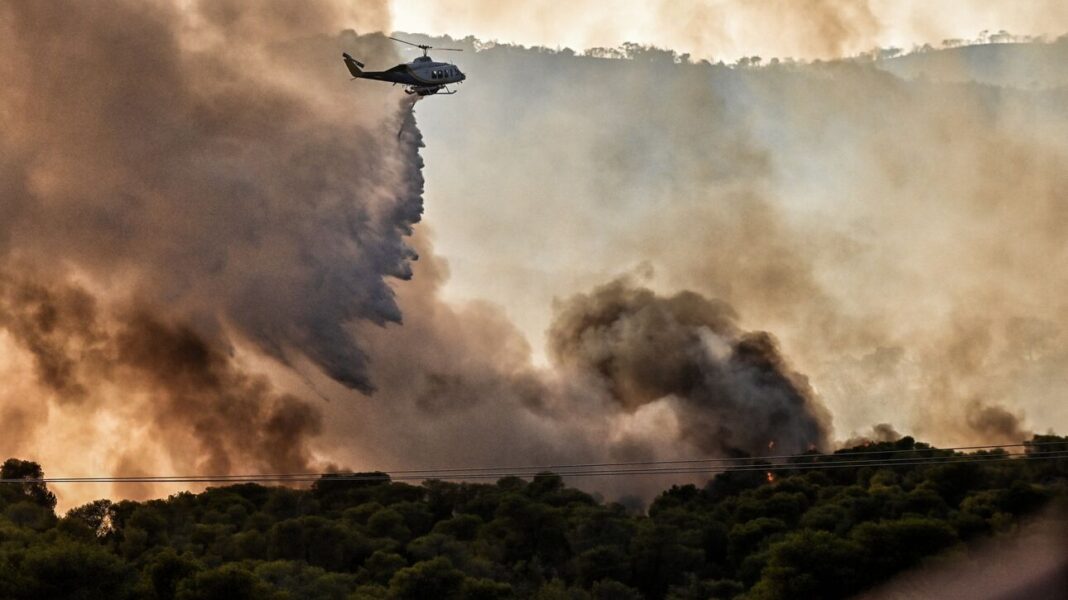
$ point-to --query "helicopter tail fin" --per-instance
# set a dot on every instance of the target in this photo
(355, 66)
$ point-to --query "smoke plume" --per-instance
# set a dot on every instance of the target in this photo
(240, 182)
(880, 432)
(734, 389)
(173, 383)
(633, 375)
(190, 195)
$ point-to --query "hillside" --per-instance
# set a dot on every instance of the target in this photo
(1019, 65)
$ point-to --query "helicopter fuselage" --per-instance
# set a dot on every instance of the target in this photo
(423, 76)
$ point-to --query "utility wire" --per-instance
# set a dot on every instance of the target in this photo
(813, 454)
(534, 469)
(821, 462)
(530, 471)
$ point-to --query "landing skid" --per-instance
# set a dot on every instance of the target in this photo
(423, 91)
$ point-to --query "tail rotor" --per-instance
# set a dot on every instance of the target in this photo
(355, 66)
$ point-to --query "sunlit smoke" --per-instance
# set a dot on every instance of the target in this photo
(181, 186)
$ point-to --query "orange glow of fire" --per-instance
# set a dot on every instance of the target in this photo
(771, 477)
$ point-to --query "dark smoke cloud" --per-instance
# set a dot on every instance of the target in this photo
(735, 391)
(633, 376)
(234, 417)
(880, 432)
(996, 423)
(241, 182)
(188, 392)
(57, 328)
(191, 195)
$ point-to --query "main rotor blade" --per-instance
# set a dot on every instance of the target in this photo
(402, 41)
(449, 49)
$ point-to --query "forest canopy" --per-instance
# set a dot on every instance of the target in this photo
(781, 531)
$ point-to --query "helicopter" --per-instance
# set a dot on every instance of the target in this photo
(422, 76)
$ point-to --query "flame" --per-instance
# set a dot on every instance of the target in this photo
(771, 477)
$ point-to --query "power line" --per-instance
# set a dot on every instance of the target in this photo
(720, 459)
(534, 469)
(664, 469)
(530, 471)
(564, 469)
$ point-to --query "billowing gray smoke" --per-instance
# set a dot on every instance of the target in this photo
(198, 399)
(632, 376)
(189, 194)
(735, 392)
(880, 432)
(243, 183)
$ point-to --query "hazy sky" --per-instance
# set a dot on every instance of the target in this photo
(727, 29)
